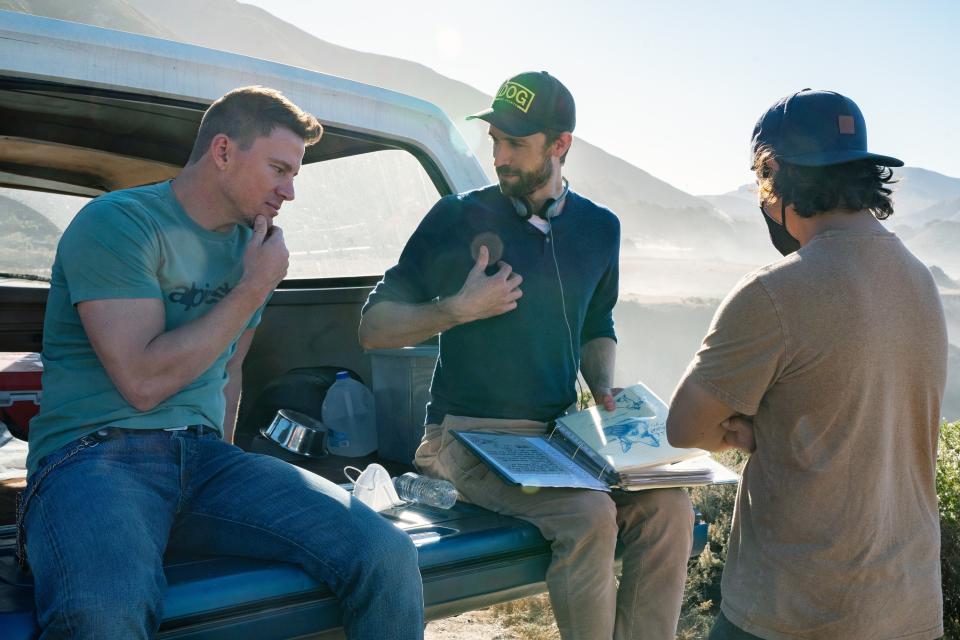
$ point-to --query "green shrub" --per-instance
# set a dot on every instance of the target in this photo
(948, 489)
(701, 597)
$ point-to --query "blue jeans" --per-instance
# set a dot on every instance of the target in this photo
(100, 512)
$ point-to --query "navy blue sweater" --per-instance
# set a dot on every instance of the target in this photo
(519, 364)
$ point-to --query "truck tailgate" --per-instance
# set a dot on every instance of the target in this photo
(469, 558)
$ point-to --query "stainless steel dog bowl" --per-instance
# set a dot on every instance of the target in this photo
(297, 433)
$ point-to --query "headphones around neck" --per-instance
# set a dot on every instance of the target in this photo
(550, 209)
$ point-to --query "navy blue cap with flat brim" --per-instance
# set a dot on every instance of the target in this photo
(825, 158)
(815, 129)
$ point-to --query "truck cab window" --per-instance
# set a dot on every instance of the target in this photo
(352, 215)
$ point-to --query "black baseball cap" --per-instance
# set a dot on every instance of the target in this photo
(815, 129)
(529, 103)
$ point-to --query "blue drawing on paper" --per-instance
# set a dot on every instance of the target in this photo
(630, 432)
(630, 402)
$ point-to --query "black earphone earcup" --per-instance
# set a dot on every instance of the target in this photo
(550, 208)
(525, 211)
(522, 208)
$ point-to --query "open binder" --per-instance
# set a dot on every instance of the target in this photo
(593, 449)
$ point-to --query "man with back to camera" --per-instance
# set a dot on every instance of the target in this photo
(130, 452)
(520, 282)
(830, 366)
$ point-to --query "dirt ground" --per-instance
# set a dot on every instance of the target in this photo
(526, 619)
(473, 625)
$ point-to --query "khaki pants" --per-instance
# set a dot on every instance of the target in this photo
(655, 526)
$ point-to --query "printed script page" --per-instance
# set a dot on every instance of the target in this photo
(529, 461)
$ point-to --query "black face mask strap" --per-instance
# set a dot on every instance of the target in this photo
(783, 216)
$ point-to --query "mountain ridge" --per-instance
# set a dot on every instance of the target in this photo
(641, 200)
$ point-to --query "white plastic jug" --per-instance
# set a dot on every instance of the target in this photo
(349, 415)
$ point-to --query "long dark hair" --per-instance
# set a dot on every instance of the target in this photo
(855, 186)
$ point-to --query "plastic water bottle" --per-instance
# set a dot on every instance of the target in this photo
(430, 491)
(349, 415)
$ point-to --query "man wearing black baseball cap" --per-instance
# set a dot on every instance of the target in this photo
(829, 366)
(530, 103)
(510, 363)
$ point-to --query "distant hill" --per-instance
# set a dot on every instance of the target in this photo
(652, 212)
(649, 208)
(16, 217)
(935, 243)
(946, 210)
(919, 195)
(112, 14)
(740, 204)
(29, 239)
(942, 279)
(951, 309)
(926, 213)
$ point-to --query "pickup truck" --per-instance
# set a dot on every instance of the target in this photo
(85, 110)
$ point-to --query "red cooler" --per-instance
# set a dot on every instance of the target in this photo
(19, 390)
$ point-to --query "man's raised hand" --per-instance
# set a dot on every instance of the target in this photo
(266, 258)
(484, 296)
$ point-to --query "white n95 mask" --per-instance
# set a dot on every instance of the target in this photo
(374, 488)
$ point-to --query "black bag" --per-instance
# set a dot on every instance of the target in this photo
(301, 390)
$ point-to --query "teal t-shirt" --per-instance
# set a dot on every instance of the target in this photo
(134, 243)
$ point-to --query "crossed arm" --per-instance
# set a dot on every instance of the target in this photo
(698, 419)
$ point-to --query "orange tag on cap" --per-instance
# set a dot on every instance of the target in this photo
(846, 124)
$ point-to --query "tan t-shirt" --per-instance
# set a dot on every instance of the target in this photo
(839, 351)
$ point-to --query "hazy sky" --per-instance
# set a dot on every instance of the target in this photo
(675, 87)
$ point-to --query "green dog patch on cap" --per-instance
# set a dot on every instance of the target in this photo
(516, 94)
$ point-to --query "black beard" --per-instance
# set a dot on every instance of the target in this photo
(528, 181)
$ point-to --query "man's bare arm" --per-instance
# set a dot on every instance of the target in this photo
(697, 418)
(391, 324)
(231, 392)
(598, 359)
(148, 364)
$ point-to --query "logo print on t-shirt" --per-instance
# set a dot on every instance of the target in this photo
(194, 296)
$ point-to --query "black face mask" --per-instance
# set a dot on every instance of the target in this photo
(779, 236)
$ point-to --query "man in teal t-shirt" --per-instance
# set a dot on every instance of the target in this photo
(132, 244)
(155, 296)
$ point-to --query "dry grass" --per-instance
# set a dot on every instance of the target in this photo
(526, 619)
(531, 618)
